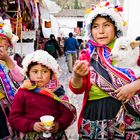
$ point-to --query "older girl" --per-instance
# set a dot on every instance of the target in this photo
(106, 89)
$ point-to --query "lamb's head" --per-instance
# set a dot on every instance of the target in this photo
(125, 52)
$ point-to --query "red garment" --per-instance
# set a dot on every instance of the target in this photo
(28, 107)
(86, 84)
(85, 88)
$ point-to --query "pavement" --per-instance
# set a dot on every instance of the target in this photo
(76, 100)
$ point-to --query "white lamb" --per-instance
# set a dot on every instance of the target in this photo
(126, 54)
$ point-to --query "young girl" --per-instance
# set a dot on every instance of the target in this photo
(41, 95)
(10, 77)
(106, 88)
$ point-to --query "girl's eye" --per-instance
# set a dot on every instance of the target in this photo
(34, 71)
(107, 25)
(45, 71)
(94, 26)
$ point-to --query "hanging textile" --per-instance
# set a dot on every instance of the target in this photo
(16, 24)
(27, 18)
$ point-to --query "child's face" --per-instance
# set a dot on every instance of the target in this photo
(40, 75)
(103, 31)
(4, 43)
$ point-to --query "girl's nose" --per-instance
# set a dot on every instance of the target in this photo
(101, 29)
(39, 74)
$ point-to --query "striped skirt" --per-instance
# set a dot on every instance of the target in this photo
(99, 122)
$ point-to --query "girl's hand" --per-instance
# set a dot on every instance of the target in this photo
(27, 84)
(126, 92)
(39, 127)
(80, 68)
(55, 128)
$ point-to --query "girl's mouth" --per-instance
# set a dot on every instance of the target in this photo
(102, 38)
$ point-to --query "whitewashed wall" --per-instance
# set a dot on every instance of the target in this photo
(67, 24)
(132, 14)
(24, 48)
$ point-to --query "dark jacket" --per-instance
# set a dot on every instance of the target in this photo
(55, 48)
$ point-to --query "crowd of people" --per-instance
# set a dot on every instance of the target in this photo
(30, 86)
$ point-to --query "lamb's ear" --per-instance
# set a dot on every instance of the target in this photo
(134, 44)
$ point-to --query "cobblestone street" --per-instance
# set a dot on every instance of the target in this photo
(76, 100)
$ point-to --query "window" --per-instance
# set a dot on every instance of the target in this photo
(80, 24)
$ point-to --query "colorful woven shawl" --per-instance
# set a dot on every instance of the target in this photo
(108, 77)
(56, 91)
(5, 86)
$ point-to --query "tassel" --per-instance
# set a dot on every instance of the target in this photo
(120, 119)
(107, 3)
(120, 9)
(122, 127)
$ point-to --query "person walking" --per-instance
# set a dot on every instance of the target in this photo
(110, 107)
(52, 47)
(70, 48)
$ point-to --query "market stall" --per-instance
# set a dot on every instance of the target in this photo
(27, 18)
